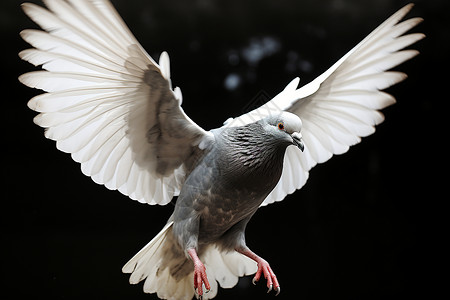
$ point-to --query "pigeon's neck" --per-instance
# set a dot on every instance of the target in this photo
(251, 154)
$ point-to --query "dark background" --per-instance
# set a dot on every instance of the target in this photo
(368, 224)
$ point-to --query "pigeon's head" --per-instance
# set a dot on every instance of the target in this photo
(286, 126)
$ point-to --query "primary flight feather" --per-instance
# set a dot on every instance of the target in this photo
(113, 108)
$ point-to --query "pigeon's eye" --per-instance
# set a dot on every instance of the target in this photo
(280, 126)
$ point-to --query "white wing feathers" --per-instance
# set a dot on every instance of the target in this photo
(341, 105)
(108, 103)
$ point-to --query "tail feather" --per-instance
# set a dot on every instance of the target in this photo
(228, 266)
(153, 246)
(155, 263)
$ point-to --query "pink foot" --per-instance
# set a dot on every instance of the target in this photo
(200, 277)
(264, 269)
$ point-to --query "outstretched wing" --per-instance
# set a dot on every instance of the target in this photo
(341, 105)
(107, 102)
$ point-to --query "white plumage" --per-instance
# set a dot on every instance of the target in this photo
(101, 107)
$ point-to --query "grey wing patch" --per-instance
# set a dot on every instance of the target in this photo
(171, 137)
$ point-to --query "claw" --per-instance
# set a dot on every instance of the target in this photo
(254, 281)
(278, 290)
(270, 289)
(199, 297)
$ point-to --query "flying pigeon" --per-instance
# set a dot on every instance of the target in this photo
(113, 108)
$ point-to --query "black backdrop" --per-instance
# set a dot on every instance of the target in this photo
(367, 225)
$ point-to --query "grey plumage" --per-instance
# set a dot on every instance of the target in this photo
(228, 184)
(112, 107)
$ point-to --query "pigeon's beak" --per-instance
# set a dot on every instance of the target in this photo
(297, 140)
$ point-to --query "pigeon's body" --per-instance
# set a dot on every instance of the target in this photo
(112, 107)
(221, 194)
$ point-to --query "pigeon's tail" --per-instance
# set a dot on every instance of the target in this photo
(154, 263)
(169, 273)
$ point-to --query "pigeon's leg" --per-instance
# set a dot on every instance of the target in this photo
(199, 273)
(263, 268)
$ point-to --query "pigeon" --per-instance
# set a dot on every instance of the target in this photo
(112, 107)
